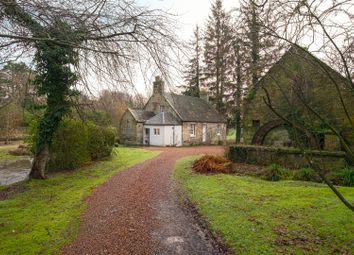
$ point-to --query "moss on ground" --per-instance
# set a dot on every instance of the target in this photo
(255, 216)
(46, 215)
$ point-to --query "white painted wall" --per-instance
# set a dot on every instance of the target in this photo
(166, 135)
(169, 132)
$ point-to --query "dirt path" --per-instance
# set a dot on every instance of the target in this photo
(137, 212)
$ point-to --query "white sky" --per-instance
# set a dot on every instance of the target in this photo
(189, 13)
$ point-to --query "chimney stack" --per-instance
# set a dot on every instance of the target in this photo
(158, 85)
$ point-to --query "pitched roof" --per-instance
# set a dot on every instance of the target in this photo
(304, 55)
(193, 109)
(163, 118)
(141, 115)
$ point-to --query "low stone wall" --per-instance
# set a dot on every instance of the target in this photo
(287, 157)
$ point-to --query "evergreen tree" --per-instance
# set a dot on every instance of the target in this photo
(256, 20)
(193, 70)
(237, 89)
(217, 54)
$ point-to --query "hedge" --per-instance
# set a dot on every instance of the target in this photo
(76, 143)
(287, 157)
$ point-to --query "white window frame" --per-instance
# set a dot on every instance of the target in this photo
(157, 131)
(192, 130)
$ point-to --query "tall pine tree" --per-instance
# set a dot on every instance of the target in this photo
(193, 70)
(217, 73)
(256, 20)
(237, 87)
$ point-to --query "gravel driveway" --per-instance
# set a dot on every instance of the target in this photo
(138, 212)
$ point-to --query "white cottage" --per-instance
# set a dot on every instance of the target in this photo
(169, 119)
(163, 130)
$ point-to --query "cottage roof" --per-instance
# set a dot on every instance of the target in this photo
(163, 118)
(193, 109)
(141, 115)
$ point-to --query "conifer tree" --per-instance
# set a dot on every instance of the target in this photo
(256, 20)
(217, 54)
(237, 88)
(193, 70)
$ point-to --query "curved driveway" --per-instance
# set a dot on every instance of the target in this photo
(137, 211)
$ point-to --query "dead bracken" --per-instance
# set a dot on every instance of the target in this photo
(212, 164)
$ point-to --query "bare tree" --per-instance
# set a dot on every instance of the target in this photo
(326, 27)
(72, 42)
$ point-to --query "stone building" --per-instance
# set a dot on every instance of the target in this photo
(169, 119)
(296, 80)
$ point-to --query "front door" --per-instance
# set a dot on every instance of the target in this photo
(147, 136)
(205, 130)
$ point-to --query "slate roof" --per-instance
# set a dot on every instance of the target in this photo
(193, 109)
(141, 115)
(163, 118)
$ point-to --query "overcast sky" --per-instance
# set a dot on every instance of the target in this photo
(189, 13)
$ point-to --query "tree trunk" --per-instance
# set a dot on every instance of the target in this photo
(238, 126)
(7, 138)
(39, 163)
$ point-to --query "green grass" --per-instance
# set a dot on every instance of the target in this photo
(46, 216)
(231, 133)
(4, 153)
(255, 216)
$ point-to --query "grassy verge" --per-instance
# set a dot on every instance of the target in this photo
(46, 216)
(255, 216)
(4, 153)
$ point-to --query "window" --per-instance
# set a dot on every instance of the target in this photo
(192, 130)
(256, 123)
(218, 130)
(162, 108)
(156, 131)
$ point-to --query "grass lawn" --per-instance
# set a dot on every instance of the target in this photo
(46, 215)
(260, 217)
(231, 134)
(4, 153)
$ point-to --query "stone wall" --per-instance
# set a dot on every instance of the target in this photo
(295, 72)
(130, 131)
(287, 157)
(156, 101)
(212, 136)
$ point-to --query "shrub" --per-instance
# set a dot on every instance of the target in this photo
(345, 177)
(75, 143)
(69, 147)
(101, 141)
(275, 172)
(306, 174)
(212, 164)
